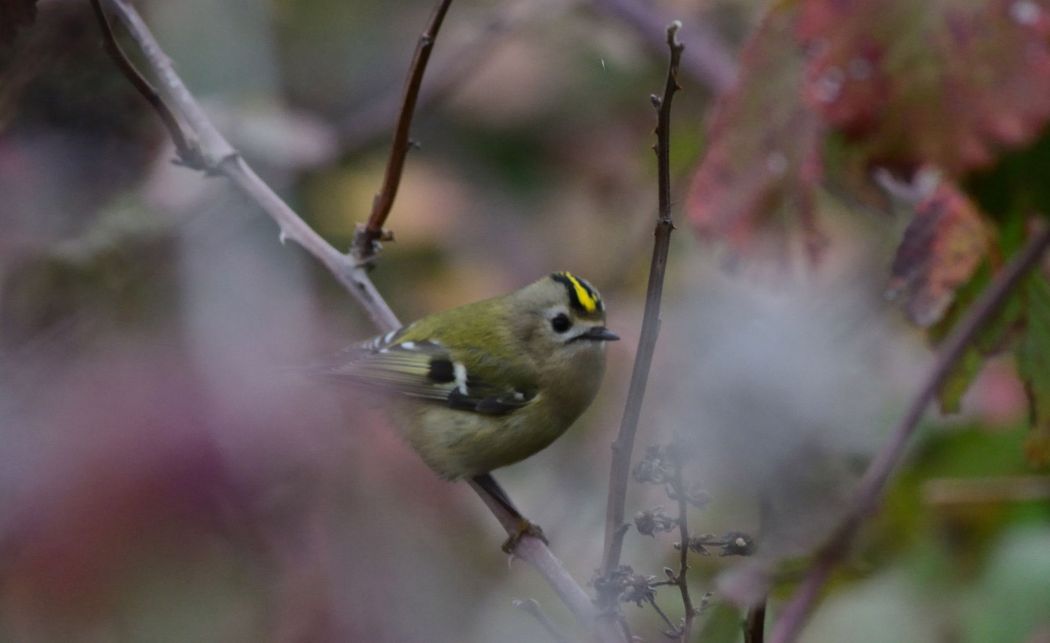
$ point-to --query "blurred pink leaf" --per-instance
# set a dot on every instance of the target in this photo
(943, 83)
(763, 161)
(941, 249)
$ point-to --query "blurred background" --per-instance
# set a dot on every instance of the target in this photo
(164, 478)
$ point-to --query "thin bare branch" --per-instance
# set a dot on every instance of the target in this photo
(372, 121)
(681, 579)
(672, 631)
(797, 610)
(708, 61)
(624, 444)
(534, 551)
(367, 237)
(219, 157)
(755, 623)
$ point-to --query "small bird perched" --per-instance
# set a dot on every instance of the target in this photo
(490, 383)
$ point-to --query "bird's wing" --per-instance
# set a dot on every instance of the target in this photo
(428, 370)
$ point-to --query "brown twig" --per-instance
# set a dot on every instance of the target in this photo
(755, 623)
(367, 238)
(708, 60)
(672, 630)
(624, 444)
(796, 611)
(219, 157)
(372, 121)
(681, 579)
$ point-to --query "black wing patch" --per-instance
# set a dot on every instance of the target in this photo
(490, 405)
(441, 370)
(423, 370)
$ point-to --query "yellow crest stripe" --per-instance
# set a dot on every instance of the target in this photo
(583, 295)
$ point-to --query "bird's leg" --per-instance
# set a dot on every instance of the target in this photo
(488, 485)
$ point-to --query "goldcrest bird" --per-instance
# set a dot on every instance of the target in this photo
(490, 383)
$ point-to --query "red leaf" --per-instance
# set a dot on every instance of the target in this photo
(763, 161)
(940, 251)
(938, 82)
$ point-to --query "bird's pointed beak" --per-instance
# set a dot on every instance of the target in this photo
(600, 334)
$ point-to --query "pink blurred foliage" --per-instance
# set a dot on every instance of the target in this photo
(131, 455)
(936, 82)
(904, 85)
(763, 162)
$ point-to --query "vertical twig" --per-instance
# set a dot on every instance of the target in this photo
(797, 609)
(624, 444)
(709, 61)
(755, 624)
(682, 579)
(367, 237)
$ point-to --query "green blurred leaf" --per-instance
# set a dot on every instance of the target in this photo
(1033, 364)
(1008, 192)
(1010, 603)
(1015, 187)
(722, 624)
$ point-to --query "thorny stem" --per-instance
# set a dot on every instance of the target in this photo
(796, 611)
(365, 242)
(218, 156)
(624, 444)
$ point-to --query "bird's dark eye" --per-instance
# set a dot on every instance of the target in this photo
(561, 323)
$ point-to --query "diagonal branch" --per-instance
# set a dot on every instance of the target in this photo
(797, 610)
(219, 157)
(624, 444)
(365, 243)
(534, 551)
(188, 153)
